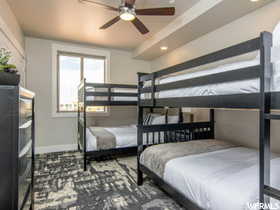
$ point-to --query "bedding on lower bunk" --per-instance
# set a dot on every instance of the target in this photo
(217, 176)
(236, 87)
(111, 137)
(102, 138)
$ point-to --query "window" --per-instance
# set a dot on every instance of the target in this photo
(72, 68)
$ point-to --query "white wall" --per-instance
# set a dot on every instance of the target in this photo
(236, 126)
(11, 38)
(62, 131)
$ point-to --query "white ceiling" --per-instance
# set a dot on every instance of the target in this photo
(202, 18)
(69, 20)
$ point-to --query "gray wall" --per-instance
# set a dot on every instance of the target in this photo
(242, 127)
(52, 131)
(9, 18)
(235, 126)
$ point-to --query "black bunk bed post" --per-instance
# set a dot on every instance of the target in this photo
(78, 119)
(85, 124)
(212, 123)
(265, 102)
(79, 136)
(180, 115)
(140, 147)
(109, 94)
(153, 90)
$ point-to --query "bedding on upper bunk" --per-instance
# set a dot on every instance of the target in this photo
(218, 179)
(113, 98)
(236, 87)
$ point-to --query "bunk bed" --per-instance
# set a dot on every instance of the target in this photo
(100, 142)
(242, 85)
(90, 138)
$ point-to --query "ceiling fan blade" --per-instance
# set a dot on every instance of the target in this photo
(100, 4)
(110, 23)
(130, 2)
(168, 11)
(140, 26)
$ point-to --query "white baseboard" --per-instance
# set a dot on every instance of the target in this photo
(56, 148)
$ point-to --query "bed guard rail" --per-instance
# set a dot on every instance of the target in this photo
(251, 100)
(99, 94)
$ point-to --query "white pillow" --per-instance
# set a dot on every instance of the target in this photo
(173, 119)
(157, 120)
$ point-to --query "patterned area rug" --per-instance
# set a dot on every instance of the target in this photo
(61, 183)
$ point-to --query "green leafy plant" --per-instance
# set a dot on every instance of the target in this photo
(5, 56)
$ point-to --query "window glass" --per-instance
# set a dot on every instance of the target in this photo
(69, 79)
(94, 70)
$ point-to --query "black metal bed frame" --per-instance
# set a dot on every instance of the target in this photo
(264, 100)
(85, 90)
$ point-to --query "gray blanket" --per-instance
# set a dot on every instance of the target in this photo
(104, 138)
(156, 157)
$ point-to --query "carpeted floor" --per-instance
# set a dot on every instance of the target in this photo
(61, 183)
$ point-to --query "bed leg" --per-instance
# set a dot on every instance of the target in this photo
(85, 163)
(139, 177)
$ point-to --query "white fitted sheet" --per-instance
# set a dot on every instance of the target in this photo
(221, 180)
(237, 87)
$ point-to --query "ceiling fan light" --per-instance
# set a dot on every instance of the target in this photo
(126, 16)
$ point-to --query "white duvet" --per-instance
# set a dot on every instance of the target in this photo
(125, 137)
(221, 180)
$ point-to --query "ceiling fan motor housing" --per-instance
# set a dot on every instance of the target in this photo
(127, 13)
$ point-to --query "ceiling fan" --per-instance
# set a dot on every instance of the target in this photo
(128, 12)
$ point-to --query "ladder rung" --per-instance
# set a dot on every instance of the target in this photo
(272, 117)
(272, 192)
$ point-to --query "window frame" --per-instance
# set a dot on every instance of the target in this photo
(75, 51)
(82, 57)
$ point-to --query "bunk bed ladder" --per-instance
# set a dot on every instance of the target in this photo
(266, 191)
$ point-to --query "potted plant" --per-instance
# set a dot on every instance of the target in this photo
(8, 72)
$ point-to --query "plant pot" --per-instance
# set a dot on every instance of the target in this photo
(7, 78)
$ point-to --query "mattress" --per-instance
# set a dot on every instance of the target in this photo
(114, 98)
(236, 87)
(219, 180)
(99, 98)
(126, 136)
